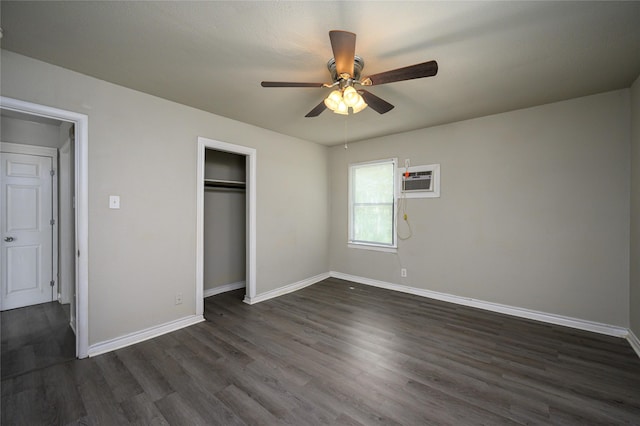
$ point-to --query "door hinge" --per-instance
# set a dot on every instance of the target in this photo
(52, 283)
(52, 222)
(52, 172)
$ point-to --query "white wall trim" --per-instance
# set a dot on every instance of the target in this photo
(610, 330)
(251, 194)
(142, 335)
(634, 342)
(81, 123)
(285, 289)
(224, 288)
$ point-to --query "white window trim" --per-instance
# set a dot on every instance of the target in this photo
(389, 248)
(372, 247)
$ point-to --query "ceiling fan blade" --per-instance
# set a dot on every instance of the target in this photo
(425, 69)
(343, 44)
(317, 110)
(377, 104)
(289, 84)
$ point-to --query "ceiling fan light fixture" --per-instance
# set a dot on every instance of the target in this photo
(350, 96)
(342, 109)
(333, 100)
(339, 101)
(360, 105)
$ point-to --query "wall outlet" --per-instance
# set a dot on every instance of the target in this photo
(178, 298)
(403, 272)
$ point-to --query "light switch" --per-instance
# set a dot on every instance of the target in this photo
(114, 201)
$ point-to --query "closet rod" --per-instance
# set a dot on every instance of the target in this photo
(222, 189)
(215, 183)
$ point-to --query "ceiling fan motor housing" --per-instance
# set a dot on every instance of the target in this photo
(358, 65)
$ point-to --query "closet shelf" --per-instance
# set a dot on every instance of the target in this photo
(218, 183)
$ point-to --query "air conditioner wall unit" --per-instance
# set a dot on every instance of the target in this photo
(419, 181)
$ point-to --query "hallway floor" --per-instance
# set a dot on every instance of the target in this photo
(35, 337)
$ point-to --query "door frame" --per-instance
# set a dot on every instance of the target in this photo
(250, 170)
(42, 151)
(81, 123)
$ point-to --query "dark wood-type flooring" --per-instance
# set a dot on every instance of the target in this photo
(35, 337)
(341, 353)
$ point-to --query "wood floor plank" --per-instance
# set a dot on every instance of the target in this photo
(120, 380)
(146, 374)
(22, 400)
(247, 408)
(140, 410)
(62, 394)
(100, 403)
(177, 412)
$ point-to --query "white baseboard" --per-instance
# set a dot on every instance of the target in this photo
(142, 335)
(634, 342)
(224, 288)
(610, 330)
(286, 289)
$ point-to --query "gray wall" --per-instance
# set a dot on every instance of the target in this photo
(634, 294)
(144, 149)
(224, 221)
(534, 209)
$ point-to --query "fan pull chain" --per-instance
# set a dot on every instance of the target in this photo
(345, 133)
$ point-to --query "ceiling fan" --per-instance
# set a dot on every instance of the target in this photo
(346, 69)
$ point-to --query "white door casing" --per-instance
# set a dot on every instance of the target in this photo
(251, 194)
(81, 194)
(27, 230)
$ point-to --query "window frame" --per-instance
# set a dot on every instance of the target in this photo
(351, 243)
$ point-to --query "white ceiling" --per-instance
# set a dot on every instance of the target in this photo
(493, 56)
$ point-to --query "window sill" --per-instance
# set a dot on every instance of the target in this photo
(385, 249)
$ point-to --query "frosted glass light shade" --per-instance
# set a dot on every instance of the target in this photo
(360, 105)
(333, 100)
(350, 96)
(342, 109)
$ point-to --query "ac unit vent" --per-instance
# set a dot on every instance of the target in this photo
(418, 181)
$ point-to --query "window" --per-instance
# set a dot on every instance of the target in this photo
(372, 204)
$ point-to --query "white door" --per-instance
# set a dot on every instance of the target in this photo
(27, 230)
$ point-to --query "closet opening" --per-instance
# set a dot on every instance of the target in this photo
(226, 220)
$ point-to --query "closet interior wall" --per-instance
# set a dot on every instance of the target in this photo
(224, 222)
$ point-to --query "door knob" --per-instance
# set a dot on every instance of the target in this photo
(8, 239)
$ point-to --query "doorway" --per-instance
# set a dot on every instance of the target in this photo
(79, 187)
(249, 155)
(224, 222)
